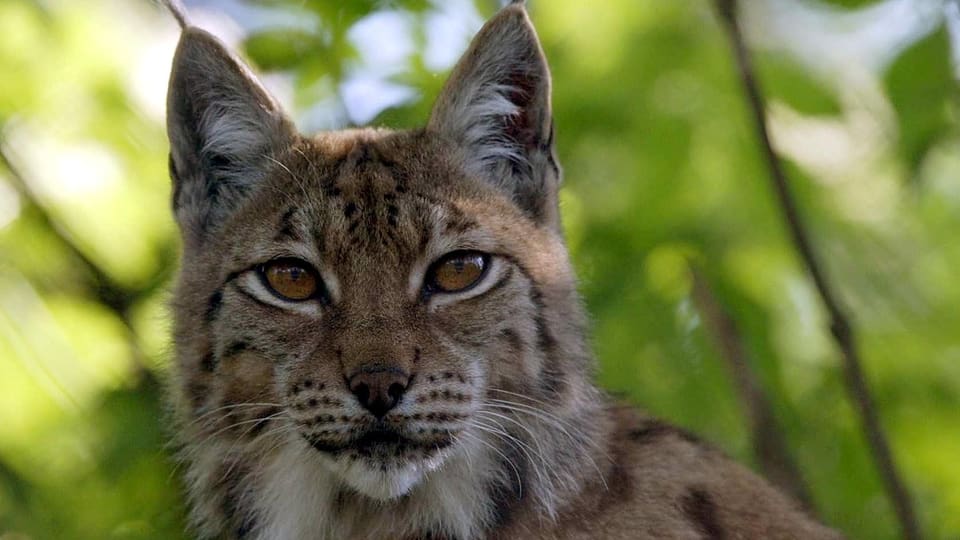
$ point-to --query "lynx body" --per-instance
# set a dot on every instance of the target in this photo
(378, 333)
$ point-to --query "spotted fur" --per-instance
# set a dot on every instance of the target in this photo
(498, 431)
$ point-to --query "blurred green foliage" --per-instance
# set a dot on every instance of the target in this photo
(662, 169)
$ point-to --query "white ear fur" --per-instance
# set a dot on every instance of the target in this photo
(222, 125)
(477, 115)
(496, 108)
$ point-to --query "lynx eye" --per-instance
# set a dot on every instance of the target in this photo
(457, 271)
(291, 279)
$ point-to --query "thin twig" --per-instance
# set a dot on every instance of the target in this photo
(840, 325)
(769, 443)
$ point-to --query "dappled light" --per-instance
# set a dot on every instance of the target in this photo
(682, 254)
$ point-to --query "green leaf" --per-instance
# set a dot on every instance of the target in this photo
(784, 79)
(282, 49)
(851, 4)
(920, 86)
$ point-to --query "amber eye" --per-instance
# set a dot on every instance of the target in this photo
(457, 271)
(291, 279)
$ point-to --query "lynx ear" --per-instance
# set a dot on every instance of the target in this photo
(496, 107)
(223, 126)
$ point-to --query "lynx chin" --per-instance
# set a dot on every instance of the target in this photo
(378, 333)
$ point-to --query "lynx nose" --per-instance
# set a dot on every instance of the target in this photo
(379, 388)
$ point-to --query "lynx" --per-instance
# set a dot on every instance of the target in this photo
(378, 333)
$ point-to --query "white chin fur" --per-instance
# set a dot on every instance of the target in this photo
(383, 485)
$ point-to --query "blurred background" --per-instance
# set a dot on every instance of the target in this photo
(699, 301)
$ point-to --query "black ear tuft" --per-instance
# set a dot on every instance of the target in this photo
(496, 107)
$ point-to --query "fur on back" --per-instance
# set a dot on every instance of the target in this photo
(382, 405)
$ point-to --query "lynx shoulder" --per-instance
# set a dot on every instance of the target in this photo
(378, 333)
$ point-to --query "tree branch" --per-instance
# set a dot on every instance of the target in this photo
(104, 288)
(840, 325)
(769, 444)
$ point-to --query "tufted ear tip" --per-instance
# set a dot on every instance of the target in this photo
(179, 12)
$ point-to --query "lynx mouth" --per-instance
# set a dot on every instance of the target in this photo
(382, 463)
(382, 443)
(380, 437)
(369, 441)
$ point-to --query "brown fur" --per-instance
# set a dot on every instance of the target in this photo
(500, 433)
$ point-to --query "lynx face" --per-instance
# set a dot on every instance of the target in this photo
(379, 302)
(372, 308)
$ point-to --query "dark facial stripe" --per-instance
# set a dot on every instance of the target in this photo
(208, 363)
(513, 340)
(214, 303)
(545, 340)
(459, 225)
(699, 508)
(236, 348)
(349, 209)
(552, 381)
(364, 154)
(286, 226)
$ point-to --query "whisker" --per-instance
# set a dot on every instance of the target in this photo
(263, 419)
(516, 471)
(232, 406)
(536, 440)
(313, 166)
(525, 448)
(551, 419)
(558, 424)
(235, 424)
(294, 177)
(543, 415)
(244, 434)
(521, 396)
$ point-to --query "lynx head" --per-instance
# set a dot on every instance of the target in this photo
(376, 298)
